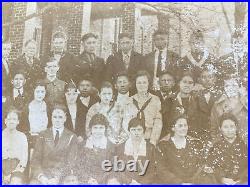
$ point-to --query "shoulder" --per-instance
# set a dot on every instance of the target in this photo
(21, 136)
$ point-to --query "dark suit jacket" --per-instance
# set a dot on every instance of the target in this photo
(115, 65)
(33, 73)
(50, 159)
(149, 62)
(95, 68)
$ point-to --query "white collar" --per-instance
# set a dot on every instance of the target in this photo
(91, 143)
(128, 150)
(15, 92)
(202, 61)
(129, 53)
(54, 131)
(121, 96)
(51, 79)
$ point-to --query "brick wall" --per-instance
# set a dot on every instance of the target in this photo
(128, 18)
(16, 31)
(163, 22)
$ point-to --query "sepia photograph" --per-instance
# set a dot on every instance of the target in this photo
(124, 93)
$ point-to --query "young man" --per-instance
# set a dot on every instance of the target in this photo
(66, 60)
(126, 59)
(54, 86)
(89, 62)
(160, 59)
(55, 150)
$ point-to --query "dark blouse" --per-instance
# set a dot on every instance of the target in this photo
(176, 166)
(229, 160)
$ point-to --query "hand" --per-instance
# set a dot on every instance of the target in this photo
(79, 139)
(43, 179)
(54, 180)
(92, 181)
(228, 181)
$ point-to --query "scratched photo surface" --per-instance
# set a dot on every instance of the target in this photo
(124, 93)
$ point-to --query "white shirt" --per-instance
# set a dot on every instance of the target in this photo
(122, 99)
(85, 100)
(15, 92)
(126, 57)
(38, 118)
(72, 112)
(207, 96)
(54, 132)
(15, 145)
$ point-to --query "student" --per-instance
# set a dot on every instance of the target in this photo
(96, 149)
(146, 107)
(37, 113)
(66, 60)
(228, 158)
(160, 59)
(231, 101)
(136, 148)
(14, 147)
(55, 150)
(6, 68)
(185, 103)
(179, 158)
(125, 60)
(29, 63)
(113, 113)
(89, 62)
(54, 86)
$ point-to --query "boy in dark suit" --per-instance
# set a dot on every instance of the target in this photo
(55, 150)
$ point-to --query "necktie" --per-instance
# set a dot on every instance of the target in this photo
(57, 137)
(159, 65)
(126, 60)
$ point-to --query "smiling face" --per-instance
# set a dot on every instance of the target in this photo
(90, 44)
(228, 129)
(39, 93)
(180, 128)
(98, 131)
(136, 133)
(122, 85)
(12, 120)
(142, 84)
(186, 85)
(58, 118)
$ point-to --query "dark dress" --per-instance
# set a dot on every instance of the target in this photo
(176, 166)
(229, 160)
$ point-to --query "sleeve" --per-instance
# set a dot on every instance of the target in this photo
(157, 127)
(23, 154)
(36, 161)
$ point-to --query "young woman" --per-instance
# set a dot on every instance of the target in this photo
(146, 107)
(14, 147)
(228, 158)
(140, 151)
(178, 159)
(94, 151)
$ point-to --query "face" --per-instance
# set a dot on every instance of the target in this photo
(52, 68)
(58, 118)
(6, 50)
(166, 82)
(90, 44)
(181, 127)
(71, 95)
(39, 93)
(186, 85)
(238, 45)
(30, 49)
(106, 95)
(98, 131)
(126, 44)
(18, 81)
(12, 121)
(160, 41)
(70, 180)
(122, 84)
(207, 79)
(137, 132)
(197, 46)
(231, 87)
(142, 84)
(228, 129)
(85, 88)
(59, 44)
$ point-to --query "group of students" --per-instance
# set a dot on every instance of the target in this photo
(65, 115)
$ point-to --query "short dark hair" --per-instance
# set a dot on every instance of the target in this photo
(87, 36)
(59, 35)
(228, 116)
(167, 72)
(159, 32)
(134, 122)
(177, 117)
(106, 84)
(99, 119)
(60, 107)
(143, 73)
(86, 77)
(125, 35)
(121, 74)
(18, 71)
(187, 74)
(39, 83)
